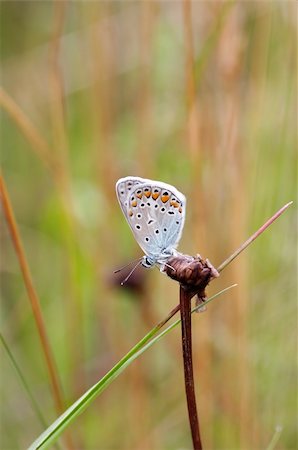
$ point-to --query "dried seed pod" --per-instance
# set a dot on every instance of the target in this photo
(193, 273)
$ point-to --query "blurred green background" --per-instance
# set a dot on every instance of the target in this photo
(200, 95)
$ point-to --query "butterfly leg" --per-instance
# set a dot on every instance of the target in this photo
(200, 304)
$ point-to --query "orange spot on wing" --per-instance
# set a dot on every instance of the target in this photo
(130, 213)
(155, 195)
(175, 204)
(180, 209)
(165, 198)
(147, 193)
(134, 203)
(139, 195)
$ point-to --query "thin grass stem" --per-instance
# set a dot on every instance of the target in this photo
(223, 265)
(41, 148)
(39, 145)
(35, 405)
(253, 237)
(275, 438)
(33, 297)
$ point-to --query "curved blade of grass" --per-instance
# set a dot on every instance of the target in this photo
(56, 428)
(275, 438)
(18, 370)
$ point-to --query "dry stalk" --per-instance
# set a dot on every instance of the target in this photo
(194, 274)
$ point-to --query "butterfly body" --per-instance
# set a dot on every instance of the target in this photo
(155, 212)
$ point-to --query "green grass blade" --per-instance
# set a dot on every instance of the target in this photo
(24, 382)
(275, 438)
(56, 428)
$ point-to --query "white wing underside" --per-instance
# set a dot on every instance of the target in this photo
(155, 212)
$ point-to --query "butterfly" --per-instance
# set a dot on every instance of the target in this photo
(155, 212)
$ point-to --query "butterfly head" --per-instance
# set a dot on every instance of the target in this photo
(148, 261)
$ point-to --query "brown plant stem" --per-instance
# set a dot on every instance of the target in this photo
(34, 300)
(185, 312)
(194, 274)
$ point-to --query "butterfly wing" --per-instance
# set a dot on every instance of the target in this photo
(124, 186)
(155, 212)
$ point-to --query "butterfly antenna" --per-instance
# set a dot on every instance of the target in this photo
(126, 265)
(131, 272)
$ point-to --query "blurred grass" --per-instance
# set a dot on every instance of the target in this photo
(120, 109)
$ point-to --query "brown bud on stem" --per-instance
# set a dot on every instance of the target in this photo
(193, 273)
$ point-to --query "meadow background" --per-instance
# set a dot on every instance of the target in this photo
(201, 95)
